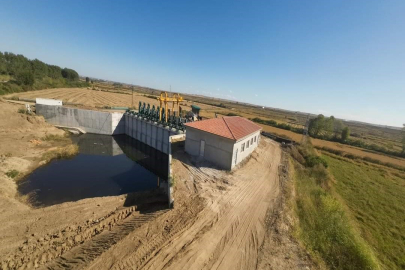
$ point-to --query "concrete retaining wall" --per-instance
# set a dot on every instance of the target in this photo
(90, 121)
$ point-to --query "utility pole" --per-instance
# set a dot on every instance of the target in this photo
(132, 106)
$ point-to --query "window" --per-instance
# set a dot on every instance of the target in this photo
(247, 144)
(255, 138)
(243, 147)
(251, 141)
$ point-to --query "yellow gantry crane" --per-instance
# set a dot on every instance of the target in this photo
(164, 99)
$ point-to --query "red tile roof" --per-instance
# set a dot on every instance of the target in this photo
(231, 127)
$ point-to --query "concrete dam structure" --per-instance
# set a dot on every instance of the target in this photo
(149, 132)
(96, 122)
(110, 123)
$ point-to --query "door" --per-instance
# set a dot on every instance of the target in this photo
(202, 148)
(236, 156)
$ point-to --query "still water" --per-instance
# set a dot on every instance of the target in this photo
(105, 166)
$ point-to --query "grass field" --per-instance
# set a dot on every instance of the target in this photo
(324, 225)
(376, 199)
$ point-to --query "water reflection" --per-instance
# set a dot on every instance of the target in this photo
(105, 166)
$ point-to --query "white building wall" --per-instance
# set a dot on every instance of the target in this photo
(217, 149)
(239, 155)
(48, 101)
(220, 150)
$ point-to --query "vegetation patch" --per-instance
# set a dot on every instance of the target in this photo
(61, 153)
(22, 74)
(355, 157)
(324, 226)
(57, 138)
(376, 200)
(277, 125)
(12, 173)
(23, 111)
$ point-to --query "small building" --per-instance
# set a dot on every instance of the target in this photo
(194, 114)
(225, 141)
(196, 110)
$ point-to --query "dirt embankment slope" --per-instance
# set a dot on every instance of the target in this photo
(30, 236)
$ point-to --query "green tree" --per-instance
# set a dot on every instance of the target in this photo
(25, 78)
(337, 128)
(87, 79)
(39, 68)
(316, 125)
(3, 64)
(345, 134)
(54, 72)
(70, 74)
(403, 139)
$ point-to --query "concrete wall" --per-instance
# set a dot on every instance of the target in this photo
(150, 133)
(218, 149)
(90, 121)
(238, 155)
(47, 101)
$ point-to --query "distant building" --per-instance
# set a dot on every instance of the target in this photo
(195, 109)
(194, 114)
(225, 141)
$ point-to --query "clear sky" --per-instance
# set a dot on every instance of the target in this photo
(341, 58)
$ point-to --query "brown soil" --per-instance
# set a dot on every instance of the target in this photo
(30, 236)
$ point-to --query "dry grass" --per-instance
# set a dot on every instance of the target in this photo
(57, 138)
(63, 152)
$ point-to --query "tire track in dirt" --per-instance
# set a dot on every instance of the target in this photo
(80, 256)
(226, 234)
(201, 252)
(76, 97)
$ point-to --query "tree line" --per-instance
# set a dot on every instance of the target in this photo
(29, 74)
(332, 129)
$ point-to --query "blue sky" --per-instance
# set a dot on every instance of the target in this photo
(341, 58)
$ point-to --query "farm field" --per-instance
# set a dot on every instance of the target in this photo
(358, 152)
(113, 97)
(375, 198)
(336, 146)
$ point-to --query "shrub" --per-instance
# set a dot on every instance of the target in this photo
(232, 114)
(25, 78)
(22, 110)
(313, 160)
(12, 173)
